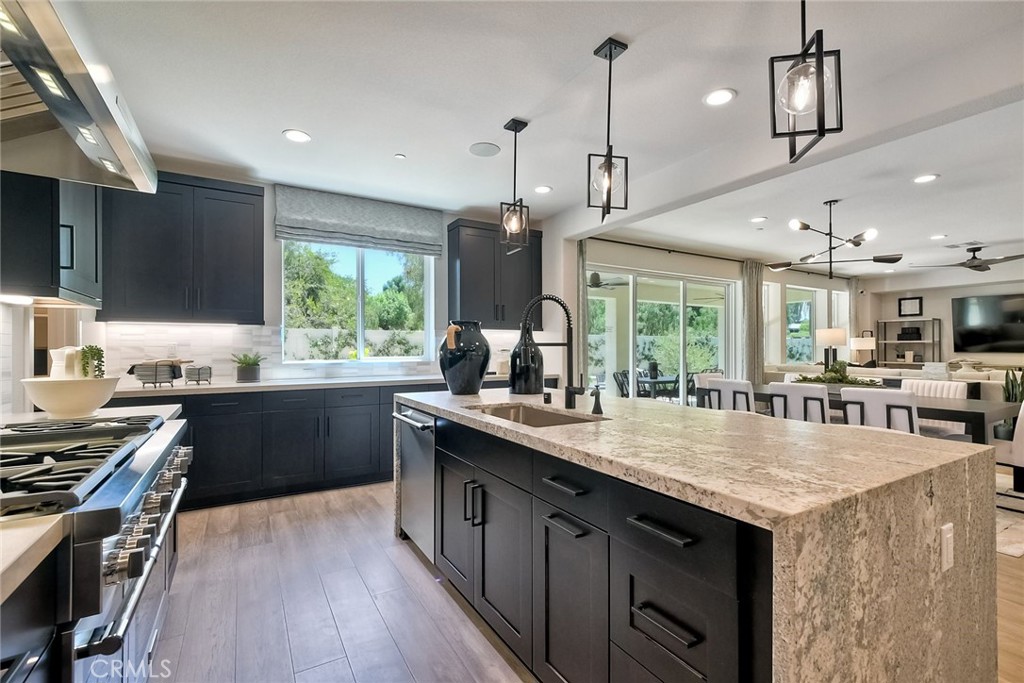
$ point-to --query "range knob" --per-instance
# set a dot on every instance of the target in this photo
(180, 464)
(168, 481)
(124, 564)
(152, 520)
(183, 452)
(155, 503)
(132, 542)
(146, 530)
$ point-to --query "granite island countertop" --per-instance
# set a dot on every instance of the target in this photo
(859, 592)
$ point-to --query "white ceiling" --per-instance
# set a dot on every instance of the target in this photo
(216, 82)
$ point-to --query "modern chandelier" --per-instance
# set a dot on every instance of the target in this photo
(834, 242)
(607, 174)
(806, 92)
(515, 216)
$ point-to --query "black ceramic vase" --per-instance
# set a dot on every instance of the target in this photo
(526, 364)
(463, 357)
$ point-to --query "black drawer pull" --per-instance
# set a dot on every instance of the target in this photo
(660, 531)
(652, 616)
(467, 513)
(563, 487)
(224, 404)
(293, 400)
(472, 494)
(564, 526)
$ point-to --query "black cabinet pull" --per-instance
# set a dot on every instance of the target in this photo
(187, 302)
(292, 400)
(563, 487)
(496, 312)
(224, 404)
(564, 526)
(466, 516)
(472, 494)
(317, 421)
(503, 311)
(199, 299)
(663, 624)
(660, 531)
(328, 426)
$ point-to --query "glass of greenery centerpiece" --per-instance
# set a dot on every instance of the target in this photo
(836, 374)
(248, 369)
(1013, 392)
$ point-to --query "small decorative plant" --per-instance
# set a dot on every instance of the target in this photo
(836, 374)
(1013, 392)
(248, 369)
(92, 354)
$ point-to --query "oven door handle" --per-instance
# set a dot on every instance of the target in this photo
(108, 639)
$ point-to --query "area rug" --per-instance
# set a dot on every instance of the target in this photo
(1009, 533)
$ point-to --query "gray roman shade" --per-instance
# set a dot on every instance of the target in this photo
(328, 218)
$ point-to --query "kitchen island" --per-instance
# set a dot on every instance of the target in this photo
(857, 585)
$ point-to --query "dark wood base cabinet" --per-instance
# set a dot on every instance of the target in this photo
(628, 587)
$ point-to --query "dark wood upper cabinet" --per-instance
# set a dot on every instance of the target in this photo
(191, 252)
(487, 284)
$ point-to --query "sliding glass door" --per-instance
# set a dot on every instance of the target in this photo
(609, 297)
(659, 337)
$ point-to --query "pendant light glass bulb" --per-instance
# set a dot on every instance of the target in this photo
(603, 176)
(513, 221)
(798, 92)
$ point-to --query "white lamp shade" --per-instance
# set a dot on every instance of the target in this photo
(862, 343)
(830, 336)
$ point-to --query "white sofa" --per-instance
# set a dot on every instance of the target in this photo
(990, 381)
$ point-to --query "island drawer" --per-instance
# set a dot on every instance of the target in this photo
(511, 462)
(574, 488)
(293, 400)
(697, 542)
(224, 404)
(679, 628)
(354, 396)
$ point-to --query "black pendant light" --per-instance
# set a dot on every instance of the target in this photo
(806, 92)
(607, 174)
(515, 216)
(834, 242)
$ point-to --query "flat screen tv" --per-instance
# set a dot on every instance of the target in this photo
(989, 324)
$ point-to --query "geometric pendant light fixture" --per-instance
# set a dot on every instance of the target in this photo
(834, 242)
(515, 216)
(806, 92)
(607, 174)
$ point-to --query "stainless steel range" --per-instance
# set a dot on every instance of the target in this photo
(120, 481)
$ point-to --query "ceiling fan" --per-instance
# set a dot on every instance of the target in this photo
(974, 263)
(595, 281)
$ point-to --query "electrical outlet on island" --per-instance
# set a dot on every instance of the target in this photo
(946, 535)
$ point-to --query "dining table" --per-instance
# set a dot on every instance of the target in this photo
(977, 414)
(656, 384)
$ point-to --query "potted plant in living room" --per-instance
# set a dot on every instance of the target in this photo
(836, 374)
(248, 369)
(1013, 392)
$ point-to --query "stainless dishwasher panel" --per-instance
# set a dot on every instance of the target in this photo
(416, 451)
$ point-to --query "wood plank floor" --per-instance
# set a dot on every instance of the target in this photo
(314, 588)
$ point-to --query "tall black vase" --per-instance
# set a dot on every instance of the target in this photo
(463, 357)
(526, 371)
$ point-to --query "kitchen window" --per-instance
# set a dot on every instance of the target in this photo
(344, 303)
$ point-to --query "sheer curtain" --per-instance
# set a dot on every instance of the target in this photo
(753, 321)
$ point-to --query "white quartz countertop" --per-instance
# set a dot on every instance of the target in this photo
(129, 387)
(750, 467)
(25, 543)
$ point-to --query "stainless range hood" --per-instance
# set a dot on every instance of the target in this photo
(62, 114)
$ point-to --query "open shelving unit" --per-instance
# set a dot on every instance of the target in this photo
(891, 351)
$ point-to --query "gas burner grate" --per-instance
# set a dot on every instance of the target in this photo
(43, 427)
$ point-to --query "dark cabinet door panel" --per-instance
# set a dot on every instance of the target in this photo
(516, 285)
(453, 515)
(228, 256)
(477, 271)
(228, 455)
(28, 235)
(147, 261)
(80, 239)
(293, 451)
(353, 441)
(570, 598)
(503, 564)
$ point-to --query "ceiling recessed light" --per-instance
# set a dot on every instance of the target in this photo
(296, 135)
(400, 156)
(926, 178)
(484, 149)
(759, 219)
(938, 237)
(891, 270)
(542, 189)
(717, 98)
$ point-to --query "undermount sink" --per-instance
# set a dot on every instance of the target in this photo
(532, 416)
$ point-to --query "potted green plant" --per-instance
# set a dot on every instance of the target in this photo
(248, 369)
(1013, 392)
(836, 374)
(92, 361)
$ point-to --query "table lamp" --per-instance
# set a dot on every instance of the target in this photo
(863, 344)
(830, 337)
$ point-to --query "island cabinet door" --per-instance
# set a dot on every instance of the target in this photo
(502, 519)
(678, 628)
(570, 598)
(293, 447)
(353, 441)
(454, 486)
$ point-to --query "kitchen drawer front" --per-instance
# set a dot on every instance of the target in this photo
(511, 462)
(387, 394)
(224, 404)
(625, 669)
(697, 542)
(571, 487)
(293, 400)
(680, 629)
(355, 396)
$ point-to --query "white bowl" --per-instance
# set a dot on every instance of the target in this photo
(67, 398)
